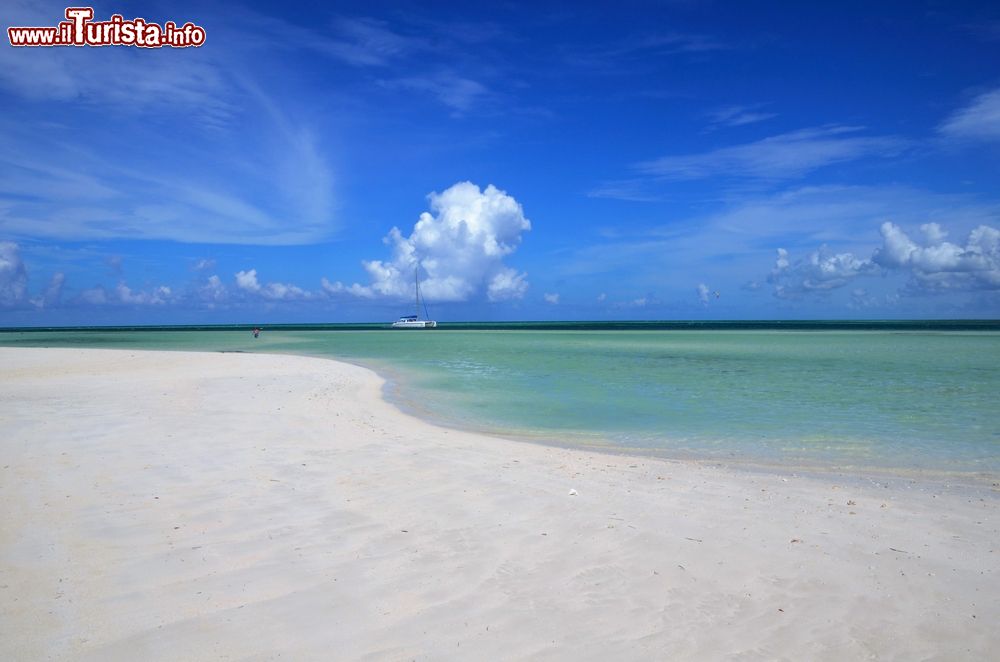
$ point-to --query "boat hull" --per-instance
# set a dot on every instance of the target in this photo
(415, 324)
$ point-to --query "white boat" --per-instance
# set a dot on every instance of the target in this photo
(414, 321)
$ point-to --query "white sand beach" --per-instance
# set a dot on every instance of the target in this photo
(197, 506)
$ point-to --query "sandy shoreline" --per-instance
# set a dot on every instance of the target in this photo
(239, 506)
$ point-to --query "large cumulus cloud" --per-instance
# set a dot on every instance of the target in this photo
(459, 247)
(939, 264)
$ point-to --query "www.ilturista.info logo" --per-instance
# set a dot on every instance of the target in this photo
(80, 30)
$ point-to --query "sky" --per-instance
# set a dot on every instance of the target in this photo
(530, 161)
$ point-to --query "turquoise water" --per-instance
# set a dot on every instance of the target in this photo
(869, 397)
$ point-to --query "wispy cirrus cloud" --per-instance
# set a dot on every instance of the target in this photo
(632, 190)
(357, 41)
(731, 116)
(784, 156)
(833, 215)
(985, 30)
(457, 92)
(370, 42)
(620, 56)
(140, 170)
(55, 185)
(979, 120)
(158, 85)
(433, 51)
(671, 42)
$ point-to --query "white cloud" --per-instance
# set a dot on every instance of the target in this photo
(933, 233)
(459, 247)
(507, 284)
(52, 295)
(739, 115)
(743, 236)
(284, 292)
(247, 282)
(60, 183)
(784, 156)
(457, 92)
(980, 120)
(13, 275)
(203, 264)
(934, 265)
(339, 288)
(359, 42)
(862, 299)
(625, 54)
(813, 215)
(125, 295)
(551, 298)
(819, 271)
(940, 264)
(703, 292)
(366, 42)
(95, 296)
(138, 197)
(114, 264)
(158, 296)
(632, 190)
(673, 42)
(213, 290)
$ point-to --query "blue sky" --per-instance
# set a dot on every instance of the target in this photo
(671, 160)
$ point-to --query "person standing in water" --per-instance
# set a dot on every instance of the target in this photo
(256, 332)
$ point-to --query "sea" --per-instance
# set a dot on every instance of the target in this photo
(914, 396)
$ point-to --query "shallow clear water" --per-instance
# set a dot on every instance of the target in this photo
(841, 398)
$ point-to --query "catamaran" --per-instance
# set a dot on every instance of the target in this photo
(414, 321)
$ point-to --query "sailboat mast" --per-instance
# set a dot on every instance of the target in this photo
(416, 288)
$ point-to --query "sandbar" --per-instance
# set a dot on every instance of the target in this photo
(205, 506)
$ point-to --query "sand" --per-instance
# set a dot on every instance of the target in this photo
(186, 506)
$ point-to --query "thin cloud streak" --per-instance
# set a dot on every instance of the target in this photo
(733, 116)
(980, 120)
(457, 92)
(78, 193)
(784, 156)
